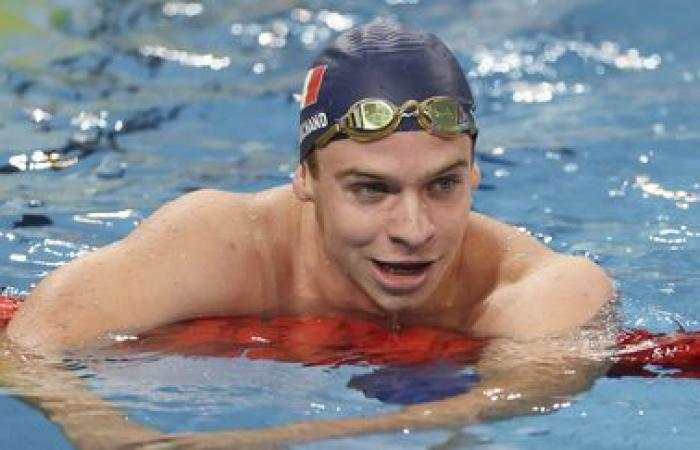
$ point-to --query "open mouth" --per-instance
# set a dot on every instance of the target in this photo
(402, 268)
(401, 278)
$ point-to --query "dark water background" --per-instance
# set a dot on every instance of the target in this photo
(588, 112)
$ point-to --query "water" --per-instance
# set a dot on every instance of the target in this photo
(588, 117)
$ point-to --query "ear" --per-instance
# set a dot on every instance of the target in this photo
(475, 173)
(475, 176)
(302, 183)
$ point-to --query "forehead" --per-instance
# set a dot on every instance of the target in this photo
(406, 153)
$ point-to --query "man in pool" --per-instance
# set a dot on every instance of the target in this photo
(375, 224)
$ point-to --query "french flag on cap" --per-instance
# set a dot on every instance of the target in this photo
(312, 85)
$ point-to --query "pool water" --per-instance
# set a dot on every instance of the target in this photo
(588, 116)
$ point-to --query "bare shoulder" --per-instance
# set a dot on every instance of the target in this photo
(204, 206)
(205, 253)
(539, 291)
(222, 235)
(209, 215)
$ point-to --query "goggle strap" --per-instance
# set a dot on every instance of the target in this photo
(328, 135)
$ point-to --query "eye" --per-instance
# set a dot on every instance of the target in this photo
(370, 191)
(445, 185)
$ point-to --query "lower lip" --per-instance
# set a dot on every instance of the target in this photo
(399, 283)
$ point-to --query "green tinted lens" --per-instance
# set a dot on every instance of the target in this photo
(445, 116)
(375, 115)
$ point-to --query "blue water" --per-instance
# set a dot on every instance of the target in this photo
(588, 117)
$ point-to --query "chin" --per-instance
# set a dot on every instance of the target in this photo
(393, 303)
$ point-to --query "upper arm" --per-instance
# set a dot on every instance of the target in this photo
(557, 295)
(185, 261)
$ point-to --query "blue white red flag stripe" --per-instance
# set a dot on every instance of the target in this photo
(312, 85)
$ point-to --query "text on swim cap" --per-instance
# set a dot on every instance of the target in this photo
(313, 123)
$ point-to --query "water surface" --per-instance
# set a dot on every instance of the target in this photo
(588, 117)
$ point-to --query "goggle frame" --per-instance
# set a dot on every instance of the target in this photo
(352, 123)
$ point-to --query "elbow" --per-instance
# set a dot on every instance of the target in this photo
(596, 284)
(40, 324)
(29, 332)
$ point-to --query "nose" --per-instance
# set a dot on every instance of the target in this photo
(411, 225)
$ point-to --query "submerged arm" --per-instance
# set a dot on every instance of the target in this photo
(518, 378)
(89, 422)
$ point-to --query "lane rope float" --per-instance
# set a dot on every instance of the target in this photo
(415, 364)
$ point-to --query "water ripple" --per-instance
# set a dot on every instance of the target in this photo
(529, 69)
(682, 198)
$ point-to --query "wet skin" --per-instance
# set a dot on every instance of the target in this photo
(390, 212)
(392, 223)
(385, 230)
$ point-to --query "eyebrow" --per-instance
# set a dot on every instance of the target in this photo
(353, 171)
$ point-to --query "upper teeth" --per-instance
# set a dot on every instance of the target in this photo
(402, 267)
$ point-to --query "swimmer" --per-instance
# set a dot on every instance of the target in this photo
(377, 223)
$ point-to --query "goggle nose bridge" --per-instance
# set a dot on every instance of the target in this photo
(410, 109)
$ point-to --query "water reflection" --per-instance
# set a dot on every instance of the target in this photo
(126, 104)
(186, 58)
(40, 117)
(524, 63)
(682, 198)
(304, 26)
(39, 160)
(538, 56)
(95, 133)
(182, 9)
(673, 238)
(102, 218)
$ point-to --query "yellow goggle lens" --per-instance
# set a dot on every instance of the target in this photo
(444, 116)
(375, 115)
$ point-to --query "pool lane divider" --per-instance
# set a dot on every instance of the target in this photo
(332, 341)
(8, 306)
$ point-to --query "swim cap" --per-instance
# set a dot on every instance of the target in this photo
(383, 59)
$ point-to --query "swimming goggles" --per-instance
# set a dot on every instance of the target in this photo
(372, 119)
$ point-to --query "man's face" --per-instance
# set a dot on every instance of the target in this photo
(392, 213)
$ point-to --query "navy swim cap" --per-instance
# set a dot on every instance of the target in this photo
(382, 59)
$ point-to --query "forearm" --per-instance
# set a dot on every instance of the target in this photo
(517, 379)
(494, 399)
(458, 411)
(296, 433)
(88, 421)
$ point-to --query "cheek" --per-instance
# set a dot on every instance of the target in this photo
(352, 226)
(344, 224)
(452, 221)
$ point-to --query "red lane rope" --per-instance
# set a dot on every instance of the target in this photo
(8, 306)
(336, 341)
